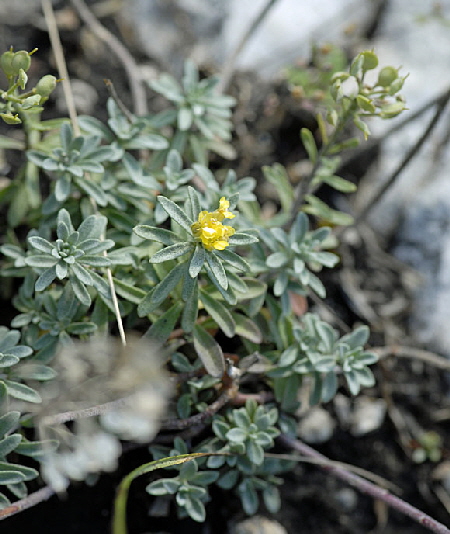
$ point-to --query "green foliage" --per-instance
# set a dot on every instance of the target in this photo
(312, 81)
(137, 229)
(190, 486)
(201, 117)
(246, 432)
(16, 366)
(291, 255)
(313, 349)
(72, 255)
(344, 97)
(238, 463)
(70, 161)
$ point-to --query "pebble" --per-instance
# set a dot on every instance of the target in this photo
(368, 415)
(84, 94)
(316, 426)
(258, 525)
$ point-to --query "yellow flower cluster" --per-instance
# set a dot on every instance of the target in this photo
(209, 228)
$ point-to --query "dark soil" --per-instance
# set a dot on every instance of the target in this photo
(313, 501)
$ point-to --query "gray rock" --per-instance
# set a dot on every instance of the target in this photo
(85, 97)
(18, 13)
(424, 244)
(170, 31)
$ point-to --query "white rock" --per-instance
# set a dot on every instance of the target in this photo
(208, 30)
(421, 49)
(316, 426)
(421, 194)
(258, 525)
(368, 415)
(289, 28)
(347, 499)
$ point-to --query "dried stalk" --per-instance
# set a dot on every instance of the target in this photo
(127, 60)
(27, 502)
(63, 72)
(365, 486)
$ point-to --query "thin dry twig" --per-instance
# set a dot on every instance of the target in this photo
(356, 153)
(68, 93)
(208, 412)
(113, 93)
(440, 104)
(27, 502)
(91, 411)
(112, 286)
(425, 356)
(443, 496)
(366, 487)
(127, 60)
(352, 468)
(53, 33)
(228, 68)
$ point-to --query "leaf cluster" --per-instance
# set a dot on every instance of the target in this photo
(133, 229)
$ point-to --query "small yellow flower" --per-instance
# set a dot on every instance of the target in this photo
(222, 212)
(209, 228)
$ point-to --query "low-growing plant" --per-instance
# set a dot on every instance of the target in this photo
(136, 233)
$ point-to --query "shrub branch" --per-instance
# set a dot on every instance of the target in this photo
(366, 487)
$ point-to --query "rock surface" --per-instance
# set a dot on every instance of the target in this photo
(415, 37)
(208, 30)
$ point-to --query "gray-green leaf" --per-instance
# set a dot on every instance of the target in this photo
(209, 351)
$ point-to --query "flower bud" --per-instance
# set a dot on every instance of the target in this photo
(13, 62)
(22, 79)
(339, 76)
(365, 104)
(396, 86)
(9, 118)
(370, 60)
(392, 110)
(45, 86)
(350, 87)
(332, 117)
(6, 63)
(386, 76)
(31, 101)
(21, 60)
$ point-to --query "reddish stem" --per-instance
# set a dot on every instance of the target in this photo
(31, 500)
(365, 486)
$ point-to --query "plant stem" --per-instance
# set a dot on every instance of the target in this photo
(208, 412)
(366, 487)
(27, 502)
(55, 41)
(413, 353)
(120, 504)
(137, 89)
(92, 411)
(305, 187)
